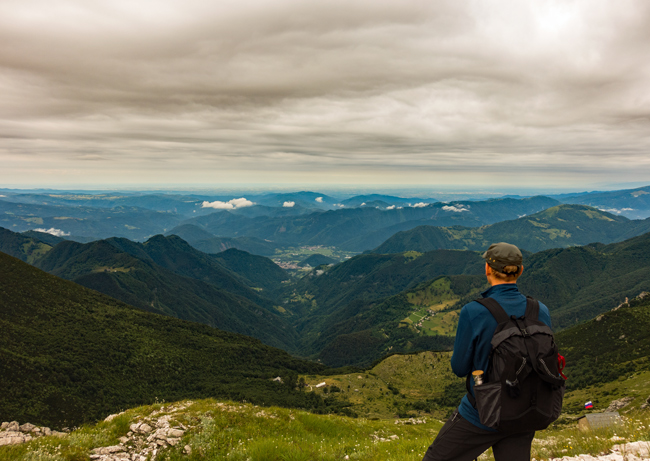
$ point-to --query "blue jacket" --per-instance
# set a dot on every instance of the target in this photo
(475, 329)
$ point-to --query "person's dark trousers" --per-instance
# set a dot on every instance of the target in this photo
(460, 440)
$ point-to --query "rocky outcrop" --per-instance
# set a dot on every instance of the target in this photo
(13, 433)
(646, 404)
(618, 404)
(146, 437)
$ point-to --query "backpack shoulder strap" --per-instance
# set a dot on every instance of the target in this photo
(532, 309)
(495, 309)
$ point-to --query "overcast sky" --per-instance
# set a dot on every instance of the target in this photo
(457, 93)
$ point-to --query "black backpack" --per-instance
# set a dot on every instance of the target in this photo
(523, 387)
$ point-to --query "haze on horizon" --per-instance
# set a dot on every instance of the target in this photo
(492, 94)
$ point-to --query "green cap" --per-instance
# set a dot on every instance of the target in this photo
(502, 254)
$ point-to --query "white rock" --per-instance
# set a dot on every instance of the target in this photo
(187, 449)
(144, 428)
(175, 433)
(27, 427)
(173, 441)
(112, 417)
(109, 450)
(4, 426)
(13, 426)
(46, 431)
(13, 439)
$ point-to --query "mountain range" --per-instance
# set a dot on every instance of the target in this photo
(555, 227)
(265, 223)
(165, 275)
(403, 297)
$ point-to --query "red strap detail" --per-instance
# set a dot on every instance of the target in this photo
(561, 363)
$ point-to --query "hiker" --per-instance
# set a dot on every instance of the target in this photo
(463, 437)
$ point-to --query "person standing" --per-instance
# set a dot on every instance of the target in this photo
(463, 437)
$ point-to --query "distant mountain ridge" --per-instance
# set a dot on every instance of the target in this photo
(206, 242)
(558, 226)
(632, 203)
(348, 228)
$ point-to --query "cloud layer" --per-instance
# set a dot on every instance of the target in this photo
(229, 205)
(451, 91)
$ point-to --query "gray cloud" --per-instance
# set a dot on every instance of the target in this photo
(338, 90)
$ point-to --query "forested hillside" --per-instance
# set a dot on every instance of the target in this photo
(167, 276)
(580, 283)
(421, 318)
(23, 247)
(372, 277)
(611, 347)
(70, 355)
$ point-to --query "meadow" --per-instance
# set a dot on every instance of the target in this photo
(227, 431)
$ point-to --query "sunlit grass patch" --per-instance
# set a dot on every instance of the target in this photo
(225, 431)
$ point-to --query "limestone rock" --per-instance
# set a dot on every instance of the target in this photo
(145, 428)
(11, 438)
(618, 404)
(109, 450)
(13, 426)
(141, 428)
(112, 417)
(175, 433)
(646, 404)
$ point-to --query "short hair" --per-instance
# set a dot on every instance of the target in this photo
(509, 273)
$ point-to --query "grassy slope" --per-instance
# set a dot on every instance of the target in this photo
(403, 385)
(69, 354)
(362, 332)
(220, 431)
